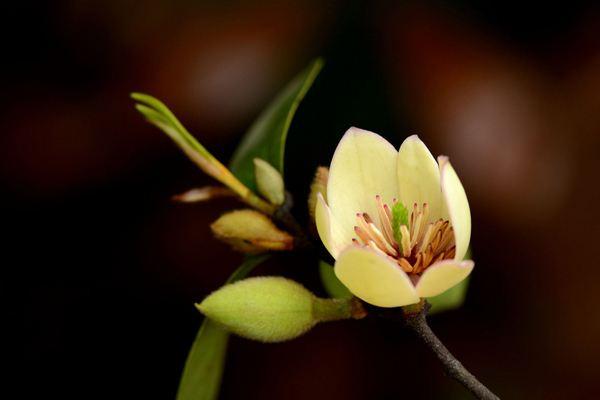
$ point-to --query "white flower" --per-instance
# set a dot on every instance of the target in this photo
(421, 257)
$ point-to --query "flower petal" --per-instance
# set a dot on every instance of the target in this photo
(442, 276)
(334, 238)
(374, 278)
(362, 167)
(419, 177)
(457, 206)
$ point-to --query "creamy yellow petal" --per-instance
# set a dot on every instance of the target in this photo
(442, 276)
(457, 206)
(419, 177)
(334, 238)
(362, 167)
(374, 278)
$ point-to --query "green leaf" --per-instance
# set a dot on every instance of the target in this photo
(399, 218)
(331, 283)
(203, 369)
(201, 377)
(266, 137)
(158, 114)
(452, 298)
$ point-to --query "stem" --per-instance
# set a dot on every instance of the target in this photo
(284, 217)
(418, 323)
(331, 309)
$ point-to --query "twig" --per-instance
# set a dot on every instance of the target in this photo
(283, 216)
(418, 323)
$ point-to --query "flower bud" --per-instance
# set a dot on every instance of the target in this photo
(251, 232)
(319, 185)
(203, 194)
(270, 309)
(269, 182)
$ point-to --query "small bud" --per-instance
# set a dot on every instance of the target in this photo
(319, 185)
(203, 194)
(269, 182)
(251, 232)
(270, 309)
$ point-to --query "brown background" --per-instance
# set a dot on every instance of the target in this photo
(102, 269)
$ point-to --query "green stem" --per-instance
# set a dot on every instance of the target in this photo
(331, 309)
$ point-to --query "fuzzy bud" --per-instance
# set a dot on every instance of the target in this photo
(251, 232)
(269, 182)
(270, 309)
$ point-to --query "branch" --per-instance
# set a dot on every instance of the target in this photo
(418, 323)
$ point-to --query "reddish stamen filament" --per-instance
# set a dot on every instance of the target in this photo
(422, 244)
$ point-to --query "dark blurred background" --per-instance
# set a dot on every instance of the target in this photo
(102, 269)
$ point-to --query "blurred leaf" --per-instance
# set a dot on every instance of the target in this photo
(452, 298)
(266, 137)
(203, 369)
(331, 283)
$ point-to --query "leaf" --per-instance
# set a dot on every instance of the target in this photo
(451, 299)
(203, 369)
(158, 114)
(399, 218)
(204, 366)
(331, 283)
(266, 137)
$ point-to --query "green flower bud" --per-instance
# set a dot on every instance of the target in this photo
(251, 232)
(271, 309)
(269, 182)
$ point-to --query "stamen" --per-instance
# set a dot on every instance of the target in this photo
(374, 246)
(364, 226)
(451, 252)
(428, 255)
(425, 239)
(422, 243)
(417, 265)
(388, 212)
(423, 221)
(385, 221)
(440, 257)
(413, 215)
(447, 237)
(406, 248)
(436, 239)
(381, 240)
(415, 231)
(405, 265)
(362, 235)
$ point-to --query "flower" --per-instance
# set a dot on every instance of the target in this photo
(397, 222)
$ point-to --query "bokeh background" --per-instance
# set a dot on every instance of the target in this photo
(102, 269)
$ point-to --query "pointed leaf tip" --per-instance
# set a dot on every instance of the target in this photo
(267, 136)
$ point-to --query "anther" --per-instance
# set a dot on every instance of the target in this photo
(405, 265)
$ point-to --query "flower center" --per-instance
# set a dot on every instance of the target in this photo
(415, 245)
